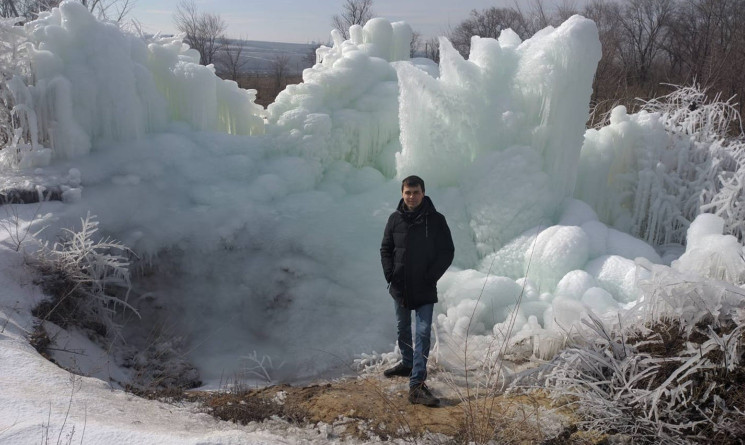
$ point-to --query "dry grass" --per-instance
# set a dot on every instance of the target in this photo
(675, 385)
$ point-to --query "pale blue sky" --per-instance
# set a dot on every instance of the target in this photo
(303, 21)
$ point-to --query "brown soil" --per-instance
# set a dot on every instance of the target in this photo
(372, 407)
(383, 409)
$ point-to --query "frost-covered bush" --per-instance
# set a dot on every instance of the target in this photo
(711, 254)
(688, 110)
(652, 172)
(669, 372)
(87, 280)
(12, 64)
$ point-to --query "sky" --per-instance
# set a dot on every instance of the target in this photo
(303, 21)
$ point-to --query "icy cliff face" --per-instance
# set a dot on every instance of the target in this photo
(273, 241)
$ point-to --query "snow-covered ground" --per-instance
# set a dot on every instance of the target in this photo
(43, 403)
(256, 232)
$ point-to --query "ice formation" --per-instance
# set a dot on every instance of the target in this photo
(94, 83)
(500, 118)
(508, 93)
(346, 106)
(712, 254)
(650, 173)
(268, 246)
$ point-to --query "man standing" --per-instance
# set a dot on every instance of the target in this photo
(416, 251)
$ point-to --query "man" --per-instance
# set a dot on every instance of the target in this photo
(416, 251)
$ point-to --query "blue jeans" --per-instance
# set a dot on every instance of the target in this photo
(415, 357)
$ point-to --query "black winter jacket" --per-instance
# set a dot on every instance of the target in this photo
(416, 251)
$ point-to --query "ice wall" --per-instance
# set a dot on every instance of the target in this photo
(534, 93)
(346, 108)
(92, 83)
(513, 113)
(540, 285)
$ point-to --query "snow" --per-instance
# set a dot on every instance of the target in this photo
(557, 251)
(260, 239)
(39, 399)
(575, 283)
(711, 254)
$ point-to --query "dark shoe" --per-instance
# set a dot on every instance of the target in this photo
(420, 395)
(398, 370)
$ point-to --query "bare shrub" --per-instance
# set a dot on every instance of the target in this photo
(354, 12)
(229, 61)
(204, 31)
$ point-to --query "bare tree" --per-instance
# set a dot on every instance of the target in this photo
(229, 59)
(112, 10)
(354, 12)
(537, 16)
(415, 44)
(280, 68)
(564, 10)
(644, 25)
(695, 44)
(8, 9)
(204, 31)
(432, 49)
(487, 23)
(610, 74)
(28, 9)
(706, 45)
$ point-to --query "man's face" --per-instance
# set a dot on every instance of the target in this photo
(412, 196)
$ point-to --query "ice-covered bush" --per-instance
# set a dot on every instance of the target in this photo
(670, 369)
(86, 278)
(650, 173)
(12, 64)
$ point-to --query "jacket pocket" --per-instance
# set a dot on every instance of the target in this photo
(398, 274)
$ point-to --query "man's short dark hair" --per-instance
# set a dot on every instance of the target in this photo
(412, 181)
